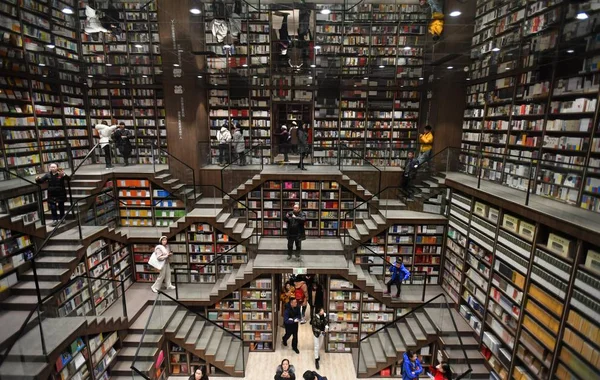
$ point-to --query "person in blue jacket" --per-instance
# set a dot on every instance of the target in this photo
(399, 274)
(411, 366)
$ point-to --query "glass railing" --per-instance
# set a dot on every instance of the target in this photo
(240, 168)
(166, 163)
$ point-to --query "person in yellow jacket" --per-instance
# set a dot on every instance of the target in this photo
(426, 141)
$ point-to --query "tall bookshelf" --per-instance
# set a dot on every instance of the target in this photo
(182, 362)
(533, 94)
(525, 288)
(15, 249)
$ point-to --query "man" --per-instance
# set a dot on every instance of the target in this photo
(295, 229)
(284, 142)
(410, 170)
(399, 274)
(239, 145)
(57, 193)
(426, 141)
(122, 140)
(105, 132)
(291, 318)
(320, 325)
(224, 138)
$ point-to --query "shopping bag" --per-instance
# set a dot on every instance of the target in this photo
(155, 262)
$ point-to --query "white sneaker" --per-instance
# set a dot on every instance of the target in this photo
(170, 287)
(154, 289)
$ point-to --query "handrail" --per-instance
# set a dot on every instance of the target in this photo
(39, 191)
(87, 155)
(21, 330)
(246, 154)
(348, 148)
(481, 153)
(155, 145)
(412, 311)
(137, 351)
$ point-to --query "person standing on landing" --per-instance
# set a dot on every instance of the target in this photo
(291, 318)
(57, 192)
(294, 137)
(302, 146)
(224, 138)
(399, 274)
(426, 141)
(122, 138)
(410, 170)
(104, 131)
(284, 143)
(239, 145)
(411, 366)
(320, 325)
(295, 229)
(163, 253)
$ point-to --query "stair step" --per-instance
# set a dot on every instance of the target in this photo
(123, 368)
(351, 268)
(46, 273)
(185, 328)
(362, 365)
(354, 235)
(177, 320)
(467, 341)
(360, 274)
(248, 231)
(396, 339)
(129, 353)
(232, 354)
(135, 339)
(378, 219)
(59, 261)
(478, 370)
(367, 352)
(415, 329)
(223, 348)
(386, 344)
(205, 337)
(177, 187)
(457, 354)
(406, 334)
(239, 228)
(195, 332)
(223, 217)
(371, 225)
(163, 176)
(20, 302)
(377, 349)
(362, 229)
(215, 341)
(171, 181)
(231, 222)
(345, 177)
(426, 325)
(242, 359)
(28, 287)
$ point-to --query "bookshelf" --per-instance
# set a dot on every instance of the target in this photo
(344, 316)
(103, 352)
(525, 288)
(182, 362)
(146, 204)
(15, 249)
(73, 362)
(104, 209)
(533, 94)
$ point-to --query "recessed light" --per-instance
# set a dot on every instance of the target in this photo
(455, 13)
(109, 64)
(450, 67)
(50, 46)
(262, 84)
(407, 48)
(90, 76)
(245, 65)
(420, 78)
(366, 78)
(255, 77)
(570, 51)
(496, 49)
(42, 64)
(195, 11)
(144, 76)
(200, 76)
(468, 78)
(67, 11)
(325, 11)
(317, 47)
(313, 66)
(309, 77)
(381, 66)
(45, 76)
(122, 83)
(176, 64)
(138, 46)
(582, 16)
(354, 85)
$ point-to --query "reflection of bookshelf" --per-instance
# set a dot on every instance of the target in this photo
(258, 315)
(344, 316)
(15, 249)
(144, 204)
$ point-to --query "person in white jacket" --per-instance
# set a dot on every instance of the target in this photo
(104, 132)
(224, 137)
(163, 253)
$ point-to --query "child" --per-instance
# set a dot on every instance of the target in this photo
(441, 372)
(411, 366)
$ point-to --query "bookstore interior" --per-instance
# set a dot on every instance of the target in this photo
(395, 189)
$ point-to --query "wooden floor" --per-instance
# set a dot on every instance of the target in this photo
(261, 366)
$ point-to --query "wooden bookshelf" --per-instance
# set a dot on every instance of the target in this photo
(144, 204)
(15, 249)
(104, 348)
(73, 362)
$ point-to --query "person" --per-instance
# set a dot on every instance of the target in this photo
(410, 170)
(441, 372)
(294, 137)
(295, 229)
(300, 296)
(285, 371)
(287, 294)
(57, 192)
(302, 146)
(291, 318)
(200, 373)
(426, 141)
(320, 325)
(224, 137)
(122, 138)
(312, 375)
(284, 140)
(399, 274)
(163, 253)
(104, 131)
(315, 298)
(239, 145)
(411, 366)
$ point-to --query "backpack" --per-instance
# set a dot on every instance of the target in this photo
(299, 295)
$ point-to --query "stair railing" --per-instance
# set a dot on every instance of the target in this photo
(47, 308)
(346, 152)
(181, 172)
(151, 317)
(213, 263)
(39, 193)
(88, 154)
(168, 299)
(231, 177)
(444, 306)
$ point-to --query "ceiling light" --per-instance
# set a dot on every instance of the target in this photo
(50, 46)
(309, 77)
(144, 76)
(496, 49)
(90, 76)
(450, 67)
(468, 78)
(195, 11)
(138, 46)
(317, 47)
(45, 76)
(42, 64)
(570, 51)
(407, 48)
(354, 85)
(420, 78)
(455, 13)
(325, 11)
(109, 64)
(176, 64)
(255, 77)
(122, 83)
(313, 66)
(582, 16)
(199, 76)
(381, 66)
(262, 84)
(245, 65)
(67, 11)
(366, 78)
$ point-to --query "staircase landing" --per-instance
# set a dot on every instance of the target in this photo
(310, 246)
(315, 263)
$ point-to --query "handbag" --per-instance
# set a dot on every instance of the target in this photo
(155, 262)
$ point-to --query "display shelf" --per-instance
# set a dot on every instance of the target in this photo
(15, 249)
(73, 362)
(103, 353)
(344, 316)
(258, 315)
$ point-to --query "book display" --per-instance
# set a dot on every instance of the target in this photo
(533, 94)
(73, 362)
(104, 348)
(15, 249)
(182, 362)
(104, 210)
(513, 279)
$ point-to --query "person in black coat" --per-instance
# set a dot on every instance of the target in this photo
(122, 138)
(320, 325)
(57, 192)
(295, 230)
(315, 298)
(200, 373)
(291, 318)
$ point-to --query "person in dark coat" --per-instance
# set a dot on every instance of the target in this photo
(284, 142)
(399, 274)
(294, 137)
(291, 318)
(57, 192)
(320, 325)
(285, 371)
(122, 138)
(410, 171)
(200, 373)
(302, 146)
(295, 229)
(315, 297)
(312, 375)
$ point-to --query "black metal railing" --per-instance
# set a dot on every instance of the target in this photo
(182, 173)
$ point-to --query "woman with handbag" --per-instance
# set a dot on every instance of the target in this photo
(163, 254)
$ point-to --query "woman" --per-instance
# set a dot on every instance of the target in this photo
(442, 371)
(200, 373)
(239, 145)
(302, 146)
(57, 193)
(104, 131)
(320, 325)
(411, 366)
(224, 137)
(163, 253)
(286, 294)
(285, 371)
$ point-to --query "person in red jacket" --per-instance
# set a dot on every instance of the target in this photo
(441, 372)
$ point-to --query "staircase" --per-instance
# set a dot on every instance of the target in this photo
(417, 330)
(175, 186)
(428, 194)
